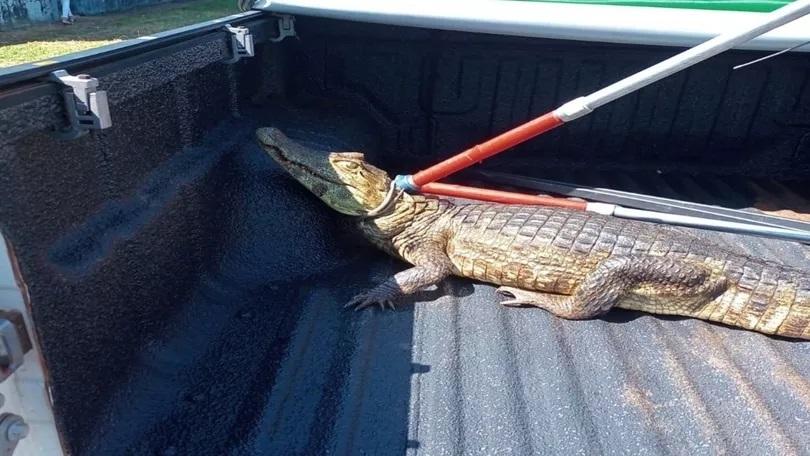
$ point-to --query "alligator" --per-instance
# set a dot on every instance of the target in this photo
(573, 264)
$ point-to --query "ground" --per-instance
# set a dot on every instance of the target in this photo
(43, 41)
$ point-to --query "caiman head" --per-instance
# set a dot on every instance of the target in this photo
(343, 180)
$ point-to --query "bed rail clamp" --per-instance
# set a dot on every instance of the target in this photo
(286, 28)
(85, 105)
(241, 43)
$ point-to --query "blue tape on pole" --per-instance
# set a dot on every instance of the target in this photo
(406, 183)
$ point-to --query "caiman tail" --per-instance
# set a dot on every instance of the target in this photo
(766, 298)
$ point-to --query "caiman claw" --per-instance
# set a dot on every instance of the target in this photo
(364, 300)
(520, 298)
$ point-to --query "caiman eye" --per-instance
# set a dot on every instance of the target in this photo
(352, 166)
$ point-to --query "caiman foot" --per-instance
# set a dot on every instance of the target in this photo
(522, 298)
(368, 299)
(560, 305)
(403, 283)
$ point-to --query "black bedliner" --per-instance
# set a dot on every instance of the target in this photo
(188, 294)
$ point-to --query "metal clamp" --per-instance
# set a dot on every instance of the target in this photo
(14, 342)
(13, 428)
(86, 106)
(241, 43)
(286, 28)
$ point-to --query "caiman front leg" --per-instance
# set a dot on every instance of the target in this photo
(431, 266)
(684, 284)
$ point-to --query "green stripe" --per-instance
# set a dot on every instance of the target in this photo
(730, 5)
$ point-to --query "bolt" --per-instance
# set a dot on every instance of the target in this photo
(17, 431)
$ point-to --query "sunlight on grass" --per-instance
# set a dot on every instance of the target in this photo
(44, 41)
(38, 50)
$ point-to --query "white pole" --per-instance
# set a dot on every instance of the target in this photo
(698, 222)
(584, 105)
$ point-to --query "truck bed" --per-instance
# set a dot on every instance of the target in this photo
(188, 295)
(265, 360)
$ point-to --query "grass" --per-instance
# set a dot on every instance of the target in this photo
(44, 41)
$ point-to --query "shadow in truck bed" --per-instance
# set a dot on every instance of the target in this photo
(188, 295)
(264, 348)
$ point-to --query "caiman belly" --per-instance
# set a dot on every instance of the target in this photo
(540, 268)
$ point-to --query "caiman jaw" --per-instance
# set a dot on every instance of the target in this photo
(289, 164)
(342, 180)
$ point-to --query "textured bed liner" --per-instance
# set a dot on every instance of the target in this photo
(264, 360)
(188, 294)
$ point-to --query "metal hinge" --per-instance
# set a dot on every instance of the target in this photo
(286, 28)
(241, 43)
(86, 106)
(14, 342)
(13, 428)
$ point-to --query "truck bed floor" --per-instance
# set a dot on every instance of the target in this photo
(264, 360)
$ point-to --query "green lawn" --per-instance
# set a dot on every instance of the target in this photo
(43, 41)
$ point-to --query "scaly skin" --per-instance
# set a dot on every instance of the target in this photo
(575, 265)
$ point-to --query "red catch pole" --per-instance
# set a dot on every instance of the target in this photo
(485, 150)
(497, 196)
(582, 106)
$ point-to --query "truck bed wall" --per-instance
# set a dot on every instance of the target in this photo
(119, 231)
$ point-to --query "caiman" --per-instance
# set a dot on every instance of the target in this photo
(576, 265)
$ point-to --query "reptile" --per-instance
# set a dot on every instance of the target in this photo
(573, 264)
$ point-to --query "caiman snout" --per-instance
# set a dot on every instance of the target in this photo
(330, 176)
(292, 156)
(270, 136)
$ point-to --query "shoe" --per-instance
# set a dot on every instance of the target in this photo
(67, 21)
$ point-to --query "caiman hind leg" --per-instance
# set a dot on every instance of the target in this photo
(680, 285)
(431, 266)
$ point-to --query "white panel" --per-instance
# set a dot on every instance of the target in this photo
(25, 391)
(601, 23)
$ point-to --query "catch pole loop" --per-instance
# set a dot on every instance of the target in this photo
(388, 202)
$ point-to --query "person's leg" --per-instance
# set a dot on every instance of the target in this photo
(67, 15)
